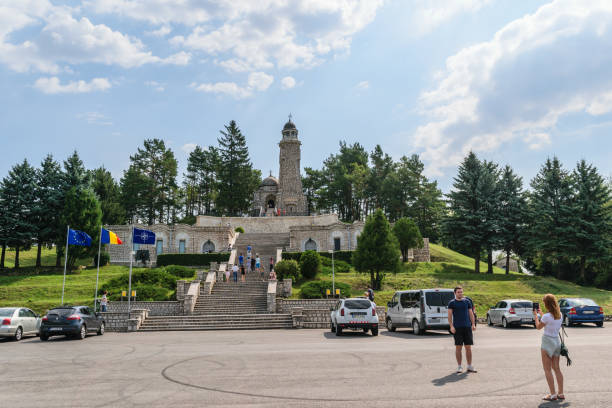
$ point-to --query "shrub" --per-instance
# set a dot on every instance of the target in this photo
(345, 256)
(152, 293)
(180, 271)
(339, 266)
(192, 259)
(310, 264)
(104, 259)
(239, 229)
(317, 289)
(287, 269)
(157, 277)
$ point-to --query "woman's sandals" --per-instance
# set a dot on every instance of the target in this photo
(551, 397)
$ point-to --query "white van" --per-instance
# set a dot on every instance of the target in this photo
(424, 309)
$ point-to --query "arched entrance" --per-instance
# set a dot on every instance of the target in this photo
(310, 245)
(271, 201)
(208, 246)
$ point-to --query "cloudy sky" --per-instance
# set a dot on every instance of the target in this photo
(514, 81)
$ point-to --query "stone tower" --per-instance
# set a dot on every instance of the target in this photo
(291, 198)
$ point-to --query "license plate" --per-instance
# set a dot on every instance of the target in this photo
(588, 312)
(55, 329)
(526, 320)
(435, 320)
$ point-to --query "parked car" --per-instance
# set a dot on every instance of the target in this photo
(16, 322)
(425, 309)
(74, 321)
(581, 310)
(354, 314)
(511, 312)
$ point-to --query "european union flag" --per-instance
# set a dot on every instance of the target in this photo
(76, 237)
(142, 236)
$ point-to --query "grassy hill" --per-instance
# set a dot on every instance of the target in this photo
(451, 268)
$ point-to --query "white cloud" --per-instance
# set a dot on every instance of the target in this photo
(260, 81)
(288, 82)
(64, 39)
(160, 32)
(517, 85)
(429, 14)
(189, 147)
(95, 118)
(159, 87)
(53, 86)
(228, 88)
(363, 85)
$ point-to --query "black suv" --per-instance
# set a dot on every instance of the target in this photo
(74, 321)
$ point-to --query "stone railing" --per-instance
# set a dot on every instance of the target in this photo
(232, 258)
(279, 254)
(272, 296)
(137, 316)
(191, 297)
(286, 305)
(284, 288)
(209, 283)
(221, 272)
(168, 308)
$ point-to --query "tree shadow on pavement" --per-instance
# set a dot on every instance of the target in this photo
(451, 378)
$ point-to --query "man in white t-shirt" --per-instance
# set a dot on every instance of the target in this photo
(235, 272)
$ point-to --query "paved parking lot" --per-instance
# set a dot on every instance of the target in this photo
(298, 368)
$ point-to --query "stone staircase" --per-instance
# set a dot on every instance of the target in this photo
(234, 298)
(263, 244)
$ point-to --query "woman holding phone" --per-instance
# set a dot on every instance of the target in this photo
(551, 345)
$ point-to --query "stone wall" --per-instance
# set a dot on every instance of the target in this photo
(115, 322)
(266, 224)
(285, 305)
(315, 313)
(324, 236)
(169, 308)
(321, 319)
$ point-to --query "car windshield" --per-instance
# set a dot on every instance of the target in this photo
(62, 311)
(6, 312)
(438, 298)
(357, 304)
(582, 302)
(522, 305)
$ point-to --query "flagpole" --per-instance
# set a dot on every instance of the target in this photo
(98, 273)
(130, 278)
(65, 262)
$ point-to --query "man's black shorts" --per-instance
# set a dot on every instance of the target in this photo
(463, 336)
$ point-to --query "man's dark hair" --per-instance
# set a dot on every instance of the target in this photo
(457, 288)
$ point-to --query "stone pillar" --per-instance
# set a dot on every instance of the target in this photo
(271, 296)
(180, 290)
(287, 287)
(297, 317)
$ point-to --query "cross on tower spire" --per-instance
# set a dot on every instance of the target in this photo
(290, 116)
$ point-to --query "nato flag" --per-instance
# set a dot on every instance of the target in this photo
(76, 237)
(142, 236)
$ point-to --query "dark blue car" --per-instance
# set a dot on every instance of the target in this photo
(581, 310)
(72, 321)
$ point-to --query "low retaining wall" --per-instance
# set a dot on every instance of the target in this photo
(115, 322)
(286, 305)
(168, 308)
(315, 313)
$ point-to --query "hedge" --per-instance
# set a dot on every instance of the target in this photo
(156, 284)
(346, 256)
(192, 259)
(317, 289)
(310, 264)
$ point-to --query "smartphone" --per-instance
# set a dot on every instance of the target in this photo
(536, 306)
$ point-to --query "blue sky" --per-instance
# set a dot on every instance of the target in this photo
(517, 82)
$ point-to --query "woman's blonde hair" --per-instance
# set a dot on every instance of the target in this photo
(550, 301)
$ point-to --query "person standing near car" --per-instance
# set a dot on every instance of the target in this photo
(461, 321)
(104, 302)
(551, 345)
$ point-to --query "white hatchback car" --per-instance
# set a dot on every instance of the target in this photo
(509, 312)
(354, 314)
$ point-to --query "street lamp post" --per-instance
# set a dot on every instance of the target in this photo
(331, 251)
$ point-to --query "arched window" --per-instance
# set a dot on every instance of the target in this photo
(208, 247)
(310, 245)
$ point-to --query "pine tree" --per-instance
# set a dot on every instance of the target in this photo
(489, 191)
(237, 178)
(593, 217)
(50, 194)
(551, 214)
(377, 249)
(4, 225)
(408, 236)
(75, 174)
(134, 190)
(201, 182)
(19, 201)
(463, 227)
(108, 193)
(512, 210)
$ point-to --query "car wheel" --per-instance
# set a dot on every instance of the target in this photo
(504, 323)
(44, 337)
(338, 331)
(18, 334)
(416, 330)
(101, 329)
(489, 321)
(82, 333)
(375, 331)
(390, 326)
(566, 321)
(332, 328)
(599, 324)
(365, 330)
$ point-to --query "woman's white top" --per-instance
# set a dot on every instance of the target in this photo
(552, 326)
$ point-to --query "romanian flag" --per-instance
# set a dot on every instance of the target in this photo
(109, 237)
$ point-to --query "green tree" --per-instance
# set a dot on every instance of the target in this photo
(512, 209)
(134, 190)
(75, 174)
(489, 191)
(201, 184)
(377, 249)
(552, 216)
(312, 183)
(592, 238)
(408, 236)
(109, 195)
(237, 178)
(19, 202)
(82, 212)
(310, 264)
(50, 184)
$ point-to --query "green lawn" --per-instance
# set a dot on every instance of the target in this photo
(452, 268)
(28, 258)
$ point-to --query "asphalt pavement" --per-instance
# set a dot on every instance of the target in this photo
(287, 368)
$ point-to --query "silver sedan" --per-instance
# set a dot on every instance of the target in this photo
(16, 322)
(511, 312)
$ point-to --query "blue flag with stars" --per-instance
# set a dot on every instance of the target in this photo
(142, 236)
(76, 237)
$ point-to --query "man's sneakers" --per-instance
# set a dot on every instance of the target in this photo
(459, 370)
(471, 369)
